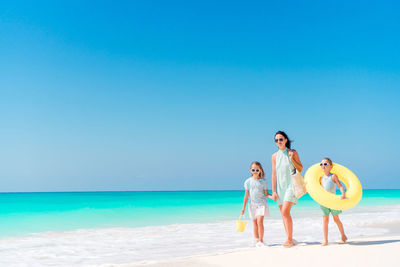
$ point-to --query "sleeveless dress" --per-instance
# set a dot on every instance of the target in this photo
(284, 185)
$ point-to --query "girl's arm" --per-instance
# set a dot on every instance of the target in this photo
(246, 197)
(274, 194)
(294, 157)
(268, 195)
(336, 180)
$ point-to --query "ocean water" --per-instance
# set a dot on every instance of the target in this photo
(111, 228)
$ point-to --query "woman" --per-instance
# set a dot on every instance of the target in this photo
(284, 162)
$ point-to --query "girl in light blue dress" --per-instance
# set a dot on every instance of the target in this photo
(284, 162)
(257, 193)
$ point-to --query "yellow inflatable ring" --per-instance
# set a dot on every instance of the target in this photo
(327, 199)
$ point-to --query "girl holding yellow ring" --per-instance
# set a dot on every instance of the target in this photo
(329, 182)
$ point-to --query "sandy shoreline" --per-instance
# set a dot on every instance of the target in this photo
(358, 252)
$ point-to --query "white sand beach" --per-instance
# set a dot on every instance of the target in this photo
(360, 252)
(373, 232)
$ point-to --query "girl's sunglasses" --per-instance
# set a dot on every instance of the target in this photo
(279, 140)
(255, 170)
(324, 164)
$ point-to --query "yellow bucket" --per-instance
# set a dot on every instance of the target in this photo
(240, 225)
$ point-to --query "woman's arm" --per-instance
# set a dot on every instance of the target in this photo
(246, 197)
(336, 180)
(274, 194)
(294, 157)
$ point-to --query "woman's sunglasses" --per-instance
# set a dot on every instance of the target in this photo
(255, 170)
(279, 140)
(324, 164)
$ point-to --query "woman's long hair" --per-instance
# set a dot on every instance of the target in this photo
(289, 142)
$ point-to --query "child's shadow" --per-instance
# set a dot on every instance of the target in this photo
(375, 242)
(308, 243)
(297, 244)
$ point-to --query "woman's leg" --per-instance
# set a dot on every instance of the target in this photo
(287, 220)
(260, 222)
(284, 222)
(326, 224)
(340, 226)
(255, 229)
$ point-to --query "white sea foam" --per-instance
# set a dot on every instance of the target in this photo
(119, 246)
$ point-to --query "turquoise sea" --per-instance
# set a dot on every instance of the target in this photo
(22, 214)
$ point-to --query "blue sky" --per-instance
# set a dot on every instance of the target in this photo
(178, 95)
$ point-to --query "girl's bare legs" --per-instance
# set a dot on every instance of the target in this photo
(326, 224)
(255, 229)
(260, 222)
(287, 222)
(340, 226)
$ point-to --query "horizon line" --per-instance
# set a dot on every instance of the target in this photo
(105, 191)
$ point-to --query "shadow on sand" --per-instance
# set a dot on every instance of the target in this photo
(297, 244)
(376, 242)
(352, 243)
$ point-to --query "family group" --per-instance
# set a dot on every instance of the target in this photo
(285, 162)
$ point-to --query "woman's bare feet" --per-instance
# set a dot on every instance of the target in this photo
(325, 243)
(344, 239)
(288, 244)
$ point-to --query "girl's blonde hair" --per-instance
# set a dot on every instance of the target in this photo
(328, 160)
(258, 164)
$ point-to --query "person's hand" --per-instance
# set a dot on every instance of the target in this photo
(274, 196)
(291, 154)
(343, 196)
(242, 212)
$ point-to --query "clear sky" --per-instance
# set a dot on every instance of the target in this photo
(183, 95)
